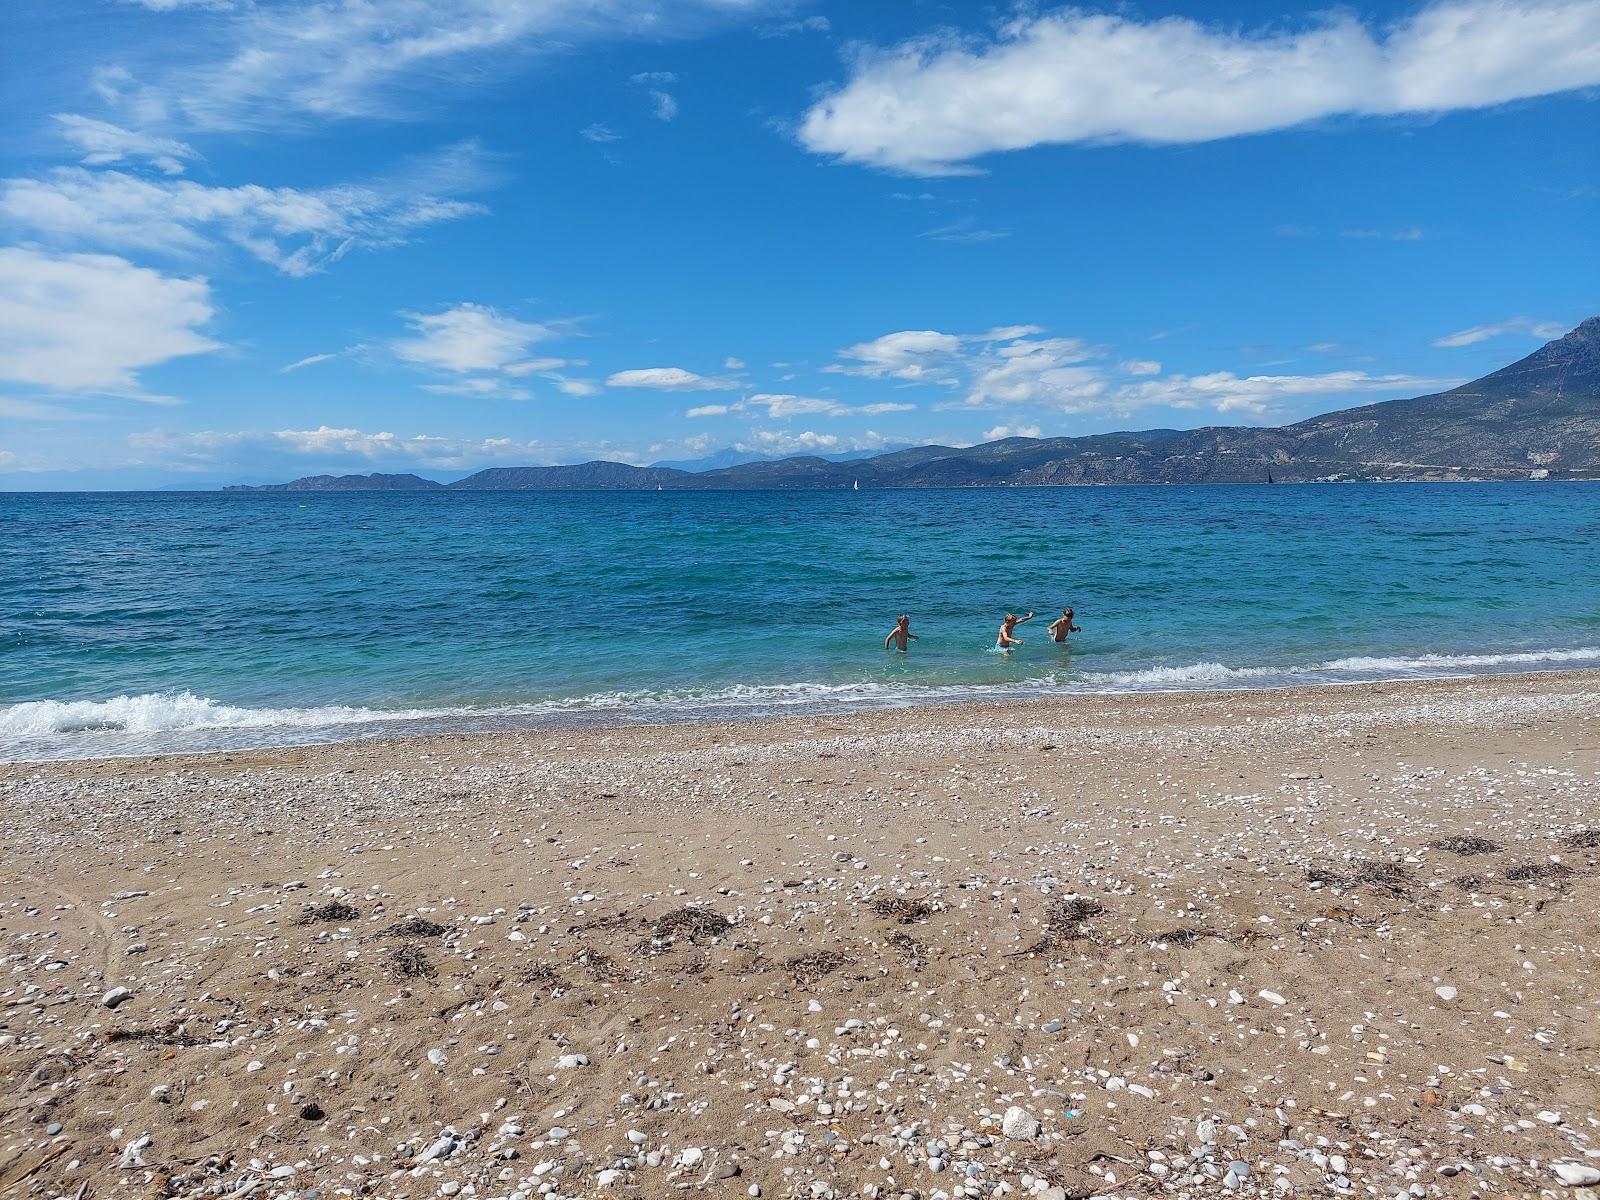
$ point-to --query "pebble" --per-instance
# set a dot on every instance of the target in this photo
(1019, 1124)
(116, 996)
(1572, 1174)
(1445, 992)
(571, 1062)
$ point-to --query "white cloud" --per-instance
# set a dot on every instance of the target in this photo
(1042, 371)
(470, 337)
(914, 355)
(174, 5)
(647, 77)
(1010, 431)
(211, 448)
(576, 387)
(30, 410)
(377, 58)
(484, 353)
(1482, 333)
(1226, 392)
(812, 24)
(783, 405)
(709, 410)
(1014, 366)
(599, 132)
(966, 231)
(298, 232)
(481, 387)
(664, 106)
(1409, 233)
(732, 364)
(668, 379)
(102, 143)
(931, 105)
(309, 360)
(92, 322)
(781, 441)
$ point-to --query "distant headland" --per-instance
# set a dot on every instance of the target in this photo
(1538, 418)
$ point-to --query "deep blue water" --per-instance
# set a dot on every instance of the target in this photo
(135, 622)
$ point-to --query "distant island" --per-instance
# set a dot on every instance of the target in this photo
(1538, 418)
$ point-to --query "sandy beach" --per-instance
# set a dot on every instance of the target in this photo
(1338, 941)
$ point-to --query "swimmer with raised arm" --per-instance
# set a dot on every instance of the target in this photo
(899, 634)
(1063, 625)
(1006, 639)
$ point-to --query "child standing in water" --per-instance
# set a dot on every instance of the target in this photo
(1005, 640)
(1063, 626)
(899, 634)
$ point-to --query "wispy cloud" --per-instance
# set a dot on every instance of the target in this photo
(1259, 395)
(966, 230)
(817, 23)
(599, 133)
(485, 354)
(1000, 432)
(102, 143)
(309, 360)
(928, 106)
(298, 232)
(209, 449)
(779, 406)
(469, 337)
(807, 441)
(1016, 367)
(663, 105)
(379, 58)
(92, 322)
(1409, 233)
(669, 379)
(1543, 330)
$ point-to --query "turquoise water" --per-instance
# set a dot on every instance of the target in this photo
(141, 622)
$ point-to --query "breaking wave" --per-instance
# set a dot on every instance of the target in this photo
(158, 722)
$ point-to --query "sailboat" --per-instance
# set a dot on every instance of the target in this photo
(856, 486)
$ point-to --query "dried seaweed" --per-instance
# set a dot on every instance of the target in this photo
(1183, 937)
(809, 968)
(912, 952)
(902, 909)
(1466, 844)
(333, 910)
(1386, 877)
(416, 927)
(695, 924)
(540, 975)
(1542, 872)
(409, 962)
(1066, 921)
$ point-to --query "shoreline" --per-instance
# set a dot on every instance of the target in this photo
(602, 721)
(1343, 938)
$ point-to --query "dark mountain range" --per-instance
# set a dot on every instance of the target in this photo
(345, 483)
(736, 458)
(1537, 418)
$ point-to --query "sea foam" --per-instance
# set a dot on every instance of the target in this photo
(156, 722)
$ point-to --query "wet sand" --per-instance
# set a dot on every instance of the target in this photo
(1337, 941)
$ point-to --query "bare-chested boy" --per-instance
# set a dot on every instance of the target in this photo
(1005, 640)
(899, 634)
(1063, 625)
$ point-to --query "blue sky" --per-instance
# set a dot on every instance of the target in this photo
(244, 241)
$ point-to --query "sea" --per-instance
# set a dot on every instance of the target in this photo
(134, 623)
